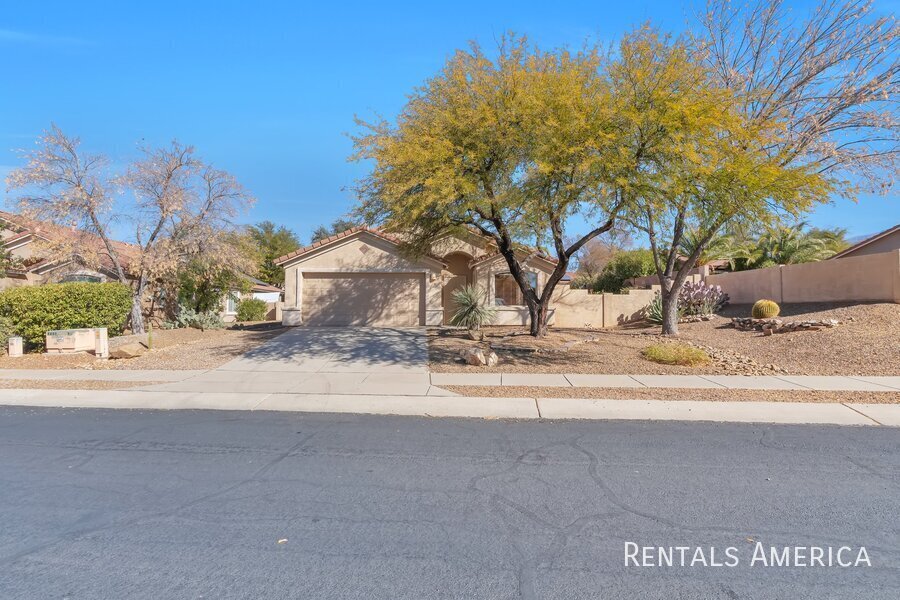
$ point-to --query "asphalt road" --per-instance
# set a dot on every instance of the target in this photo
(101, 504)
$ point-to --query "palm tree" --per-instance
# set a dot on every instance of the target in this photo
(789, 245)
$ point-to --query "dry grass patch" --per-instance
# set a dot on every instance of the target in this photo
(704, 394)
(675, 354)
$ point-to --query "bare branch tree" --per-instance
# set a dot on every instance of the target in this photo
(183, 210)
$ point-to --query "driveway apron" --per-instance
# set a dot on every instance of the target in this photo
(324, 360)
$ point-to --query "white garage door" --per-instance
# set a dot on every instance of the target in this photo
(372, 299)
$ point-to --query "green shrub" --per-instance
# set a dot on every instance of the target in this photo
(188, 317)
(252, 309)
(675, 354)
(473, 311)
(7, 330)
(623, 266)
(35, 310)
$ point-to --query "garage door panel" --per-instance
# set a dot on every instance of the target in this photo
(375, 299)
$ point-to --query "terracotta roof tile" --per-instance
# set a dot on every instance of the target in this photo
(339, 236)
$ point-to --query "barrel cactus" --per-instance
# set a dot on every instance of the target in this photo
(765, 309)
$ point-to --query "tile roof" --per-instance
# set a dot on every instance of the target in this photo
(344, 234)
(493, 255)
(55, 233)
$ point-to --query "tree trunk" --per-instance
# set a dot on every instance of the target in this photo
(137, 315)
(670, 312)
(539, 316)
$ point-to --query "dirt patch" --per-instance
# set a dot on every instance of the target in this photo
(62, 384)
(712, 395)
(173, 349)
(866, 343)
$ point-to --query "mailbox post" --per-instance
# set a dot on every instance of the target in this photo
(101, 346)
(15, 346)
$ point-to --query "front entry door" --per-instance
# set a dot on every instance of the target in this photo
(454, 283)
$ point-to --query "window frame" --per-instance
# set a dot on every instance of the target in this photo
(520, 297)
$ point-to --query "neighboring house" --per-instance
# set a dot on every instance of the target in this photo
(887, 240)
(260, 290)
(360, 277)
(23, 237)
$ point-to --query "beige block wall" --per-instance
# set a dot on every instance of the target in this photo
(872, 277)
(746, 287)
(579, 308)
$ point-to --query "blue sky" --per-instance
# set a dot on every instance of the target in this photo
(268, 90)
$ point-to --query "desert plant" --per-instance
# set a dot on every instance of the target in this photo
(35, 310)
(654, 311)
(188, 317)
(251, 309)
(623, 266)
(701, 299)
(675, 354)
(473, 312)
(765, 309)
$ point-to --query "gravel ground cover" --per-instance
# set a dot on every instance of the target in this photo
(713, 395)
(63, 384)
(866, 343)
(175, 349)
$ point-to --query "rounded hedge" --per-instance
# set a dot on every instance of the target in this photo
(35, 310)
(252, 309)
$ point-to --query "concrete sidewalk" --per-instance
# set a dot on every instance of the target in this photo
(731, 382)
(513, 408)
(377, 382)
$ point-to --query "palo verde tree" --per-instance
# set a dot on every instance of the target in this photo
(704, 163)
(511, 147)
(816, 103)
(181, 211)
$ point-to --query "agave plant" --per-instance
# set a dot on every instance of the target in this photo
(472, 312)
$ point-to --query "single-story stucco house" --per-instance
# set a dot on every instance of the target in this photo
(884, 241)
(360, 277)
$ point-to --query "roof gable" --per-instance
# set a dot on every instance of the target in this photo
(867, 241)
(361, 238)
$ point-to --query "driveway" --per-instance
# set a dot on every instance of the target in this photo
(325, 360)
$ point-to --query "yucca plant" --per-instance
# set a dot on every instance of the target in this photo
(473, 311)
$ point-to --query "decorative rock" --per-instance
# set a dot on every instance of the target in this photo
(492, 359)
(779, 326)
(128, 351)
(474, 357)
(475, 335)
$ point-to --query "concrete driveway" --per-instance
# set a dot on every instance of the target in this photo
(325, 360)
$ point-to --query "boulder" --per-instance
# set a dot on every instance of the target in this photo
(492, 359)
(474, 357)
(475, 335)
(128, 351)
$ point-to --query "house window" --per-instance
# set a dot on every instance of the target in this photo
(231, 303)
(506, 290)
(80, 279)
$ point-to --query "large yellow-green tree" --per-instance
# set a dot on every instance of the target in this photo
(512, 146)
(706, 165)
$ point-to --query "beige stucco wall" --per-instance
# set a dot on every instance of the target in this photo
(579, 308)
(364, 253)
(886, 244)
(871, 277)
(746, 287)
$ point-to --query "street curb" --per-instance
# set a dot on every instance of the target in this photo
(469, 407)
